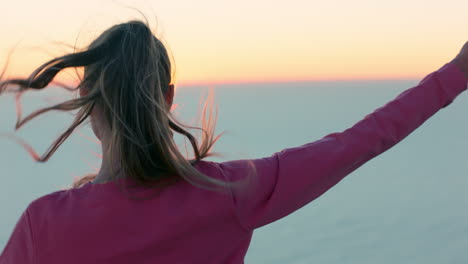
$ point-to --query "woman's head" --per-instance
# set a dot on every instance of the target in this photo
(127, 90)
(132, 84)
(135, 64)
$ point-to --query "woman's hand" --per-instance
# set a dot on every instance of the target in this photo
(461, 60)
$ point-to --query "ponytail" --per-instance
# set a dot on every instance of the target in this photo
(127, 73)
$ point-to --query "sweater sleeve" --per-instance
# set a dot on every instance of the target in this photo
(19, 248)
(293, 177)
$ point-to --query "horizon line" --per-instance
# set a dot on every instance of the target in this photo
(246, 82)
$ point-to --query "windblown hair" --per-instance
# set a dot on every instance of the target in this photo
(127, 72)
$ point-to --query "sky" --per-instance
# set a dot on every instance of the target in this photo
(214, 41)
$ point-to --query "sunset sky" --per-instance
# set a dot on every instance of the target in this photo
(254, 41)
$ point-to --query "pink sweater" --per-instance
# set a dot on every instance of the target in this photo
(185, 224)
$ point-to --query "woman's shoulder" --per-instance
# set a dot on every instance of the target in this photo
(210, 168)
(54, 200)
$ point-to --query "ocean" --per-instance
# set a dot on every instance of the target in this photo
(407, 205)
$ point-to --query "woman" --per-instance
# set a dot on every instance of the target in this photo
(174, 210)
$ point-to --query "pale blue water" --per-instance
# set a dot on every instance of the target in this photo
(408, 205)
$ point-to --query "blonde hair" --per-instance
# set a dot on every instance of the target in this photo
(127, 72)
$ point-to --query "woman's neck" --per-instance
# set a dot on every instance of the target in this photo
(110, 170)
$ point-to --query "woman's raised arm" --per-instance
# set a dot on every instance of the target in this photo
(293, 177)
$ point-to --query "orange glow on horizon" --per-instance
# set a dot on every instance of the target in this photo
(330, 70)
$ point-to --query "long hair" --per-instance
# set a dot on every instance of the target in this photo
(127, 72)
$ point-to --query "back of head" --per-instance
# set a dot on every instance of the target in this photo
(129, 78)
(127, 73)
